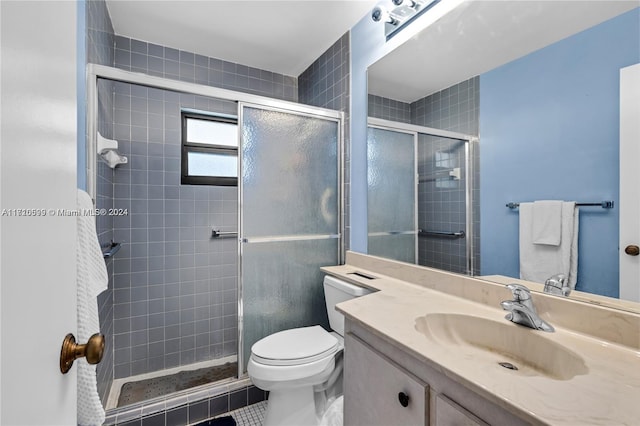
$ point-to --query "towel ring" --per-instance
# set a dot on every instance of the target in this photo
(92, 350)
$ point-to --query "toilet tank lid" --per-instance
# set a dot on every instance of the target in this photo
(349, 288)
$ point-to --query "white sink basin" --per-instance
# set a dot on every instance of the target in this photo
(484, 341)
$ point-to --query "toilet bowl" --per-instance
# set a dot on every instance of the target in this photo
(302, 367)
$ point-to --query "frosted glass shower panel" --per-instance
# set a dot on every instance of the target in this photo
(282, 286)
(400, 247)
(289, 173)
(391, 197)
(290, 221)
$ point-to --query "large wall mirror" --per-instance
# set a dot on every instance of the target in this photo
(505, 102)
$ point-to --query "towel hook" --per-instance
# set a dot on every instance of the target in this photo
(92, 350)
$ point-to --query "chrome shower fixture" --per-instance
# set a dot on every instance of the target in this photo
(402, 12)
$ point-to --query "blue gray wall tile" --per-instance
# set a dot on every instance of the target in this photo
(99, 44)
(442, 206)
(187, 413)
(389, 109)
(167, 281)
(325, 83)
(169, 308)
(152, 59)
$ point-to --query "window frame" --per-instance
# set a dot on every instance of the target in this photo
(187, 147)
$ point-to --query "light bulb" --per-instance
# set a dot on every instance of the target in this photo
(380, 14)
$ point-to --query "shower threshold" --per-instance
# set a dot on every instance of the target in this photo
(142, 387)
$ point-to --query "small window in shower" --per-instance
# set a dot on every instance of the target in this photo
(209, 149)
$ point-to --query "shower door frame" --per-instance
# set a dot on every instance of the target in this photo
(372, 123)
(94, 72)
(338, 119)
(468, 155)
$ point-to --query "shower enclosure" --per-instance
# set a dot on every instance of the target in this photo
(419, 195)
(186, 298)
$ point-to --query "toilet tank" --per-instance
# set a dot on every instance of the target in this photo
(336, 291)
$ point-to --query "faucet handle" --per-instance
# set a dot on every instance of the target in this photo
(557, 284)
(519, 291)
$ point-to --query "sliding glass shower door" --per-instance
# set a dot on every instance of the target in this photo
(391, 197)
(289, 220)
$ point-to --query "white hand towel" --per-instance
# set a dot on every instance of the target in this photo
(92, 279)
(540, 261)
(571, 209)
(547, 222)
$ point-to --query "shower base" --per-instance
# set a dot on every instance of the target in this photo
(140, 388)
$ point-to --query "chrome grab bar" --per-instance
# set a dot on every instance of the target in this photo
(216, 233)
(110, 249)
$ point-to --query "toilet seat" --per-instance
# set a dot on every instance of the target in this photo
(295, 347)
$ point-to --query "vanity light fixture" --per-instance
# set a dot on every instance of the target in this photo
(381, 14)
(409, 3)
(402, 13)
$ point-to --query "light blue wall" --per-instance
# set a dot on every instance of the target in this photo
(368, 44)
(549, 127)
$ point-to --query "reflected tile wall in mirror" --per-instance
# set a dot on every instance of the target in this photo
(456, 109)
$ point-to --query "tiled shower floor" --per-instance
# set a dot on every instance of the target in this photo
(142, 390)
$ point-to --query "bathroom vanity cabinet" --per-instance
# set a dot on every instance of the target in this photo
(378, 391)
(384, 385)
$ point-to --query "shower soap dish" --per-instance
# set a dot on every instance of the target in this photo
(108, 151)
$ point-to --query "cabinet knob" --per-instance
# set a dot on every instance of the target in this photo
(632, 250)
(403, 398)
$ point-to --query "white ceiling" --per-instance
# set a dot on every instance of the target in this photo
(279, 36)
(479, 36)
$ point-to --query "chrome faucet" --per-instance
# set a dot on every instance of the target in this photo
(557, 284)
(522, 311)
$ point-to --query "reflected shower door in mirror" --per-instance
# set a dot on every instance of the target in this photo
(419, 195)
(539, 82)
(391, 198)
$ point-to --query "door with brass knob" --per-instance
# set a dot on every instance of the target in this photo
(39, 173)
(92, 351)
(629, 230)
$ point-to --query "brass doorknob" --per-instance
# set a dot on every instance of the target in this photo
(632, 250)
(92, 350)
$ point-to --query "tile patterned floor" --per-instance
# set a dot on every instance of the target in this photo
(251, 415)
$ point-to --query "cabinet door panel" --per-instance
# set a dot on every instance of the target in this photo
(372, 385)
(448, 413)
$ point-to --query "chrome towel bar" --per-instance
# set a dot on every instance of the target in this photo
(603, 204)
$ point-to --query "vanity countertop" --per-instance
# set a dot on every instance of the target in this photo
(607, 394)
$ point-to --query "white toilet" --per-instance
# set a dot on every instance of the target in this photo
(302, 367)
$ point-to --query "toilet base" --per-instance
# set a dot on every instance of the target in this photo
(291, 407)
